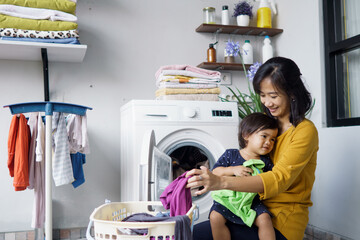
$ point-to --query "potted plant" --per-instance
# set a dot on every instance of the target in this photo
(243, 13)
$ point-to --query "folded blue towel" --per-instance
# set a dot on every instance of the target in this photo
(41, 40)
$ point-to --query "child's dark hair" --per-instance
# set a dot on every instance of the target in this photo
(285, 75)
(252, 123)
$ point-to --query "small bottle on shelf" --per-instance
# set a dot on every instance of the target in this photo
(225, 15)
(267, 50)
(247, 53)
(211, 53)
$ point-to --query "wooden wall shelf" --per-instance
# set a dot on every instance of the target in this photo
(233, 29)
(218, 66)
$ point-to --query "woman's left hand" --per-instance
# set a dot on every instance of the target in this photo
(203, 177)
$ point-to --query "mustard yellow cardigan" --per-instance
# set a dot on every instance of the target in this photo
(287, 188)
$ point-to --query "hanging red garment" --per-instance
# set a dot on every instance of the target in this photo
(18, 152)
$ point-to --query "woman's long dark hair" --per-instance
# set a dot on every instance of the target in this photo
(285, 75)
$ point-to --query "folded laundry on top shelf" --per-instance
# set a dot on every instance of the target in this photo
(13, 32)
(42, 40)
(33, 24)
(36, 13)
(60, 5)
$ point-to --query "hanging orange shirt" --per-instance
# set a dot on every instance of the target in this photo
(18, 152)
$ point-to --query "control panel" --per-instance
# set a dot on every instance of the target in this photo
(221, 113)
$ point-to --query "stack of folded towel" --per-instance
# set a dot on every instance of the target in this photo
(47, 21)
(185, 82)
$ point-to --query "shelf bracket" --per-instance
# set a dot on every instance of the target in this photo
(45, 61)
(219, 68)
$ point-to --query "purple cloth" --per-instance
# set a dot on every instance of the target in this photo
(177, 197)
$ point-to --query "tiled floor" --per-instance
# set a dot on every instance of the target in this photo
(313, 233)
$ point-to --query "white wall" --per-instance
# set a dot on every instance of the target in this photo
(127, 42)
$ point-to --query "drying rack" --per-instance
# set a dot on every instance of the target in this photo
(48, 108)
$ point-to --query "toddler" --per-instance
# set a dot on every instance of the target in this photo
(257, 134)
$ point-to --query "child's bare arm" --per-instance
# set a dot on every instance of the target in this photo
(239, 171)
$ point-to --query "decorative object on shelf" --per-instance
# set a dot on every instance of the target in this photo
(243, 13)
(231, 51)
(264, 13)
(209, 15)
(229, 59)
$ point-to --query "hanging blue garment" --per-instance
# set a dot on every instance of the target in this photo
(77, 161)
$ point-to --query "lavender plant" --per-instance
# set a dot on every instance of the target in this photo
(232, 49)
(243, 8)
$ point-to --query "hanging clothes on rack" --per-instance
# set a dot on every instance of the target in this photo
(79, 145)
(62, 168)
(76, 126)
(32, 122)
(77, 161)
(51, 109)
(38, 215)
(18, 152)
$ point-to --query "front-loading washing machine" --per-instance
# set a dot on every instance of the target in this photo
(162, 139)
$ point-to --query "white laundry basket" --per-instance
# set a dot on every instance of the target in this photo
(107, 221)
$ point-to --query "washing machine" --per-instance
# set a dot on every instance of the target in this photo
(162, 139)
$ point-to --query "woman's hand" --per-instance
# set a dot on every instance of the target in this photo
(203, 177)
(241, 171)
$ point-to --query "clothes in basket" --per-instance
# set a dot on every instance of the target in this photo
(182, 225)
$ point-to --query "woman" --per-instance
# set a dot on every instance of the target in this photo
(285, 190)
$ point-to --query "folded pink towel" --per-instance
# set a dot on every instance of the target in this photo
(202, 71)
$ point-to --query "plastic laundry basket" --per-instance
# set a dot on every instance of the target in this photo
(107, 221)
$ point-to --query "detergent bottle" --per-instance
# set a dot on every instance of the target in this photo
(247, 53)
(264, 13)
(267, 50)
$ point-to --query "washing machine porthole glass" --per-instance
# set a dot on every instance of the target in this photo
(189, 155)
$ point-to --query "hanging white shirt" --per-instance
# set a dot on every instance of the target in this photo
(62, 168)
(77, 132)
(38, 215)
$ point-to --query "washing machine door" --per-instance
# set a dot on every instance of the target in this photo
(155, 169)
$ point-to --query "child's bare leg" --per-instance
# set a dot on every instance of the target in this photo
(266, 229)
(218, 227)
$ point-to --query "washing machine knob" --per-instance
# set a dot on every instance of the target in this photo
(189, 112)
